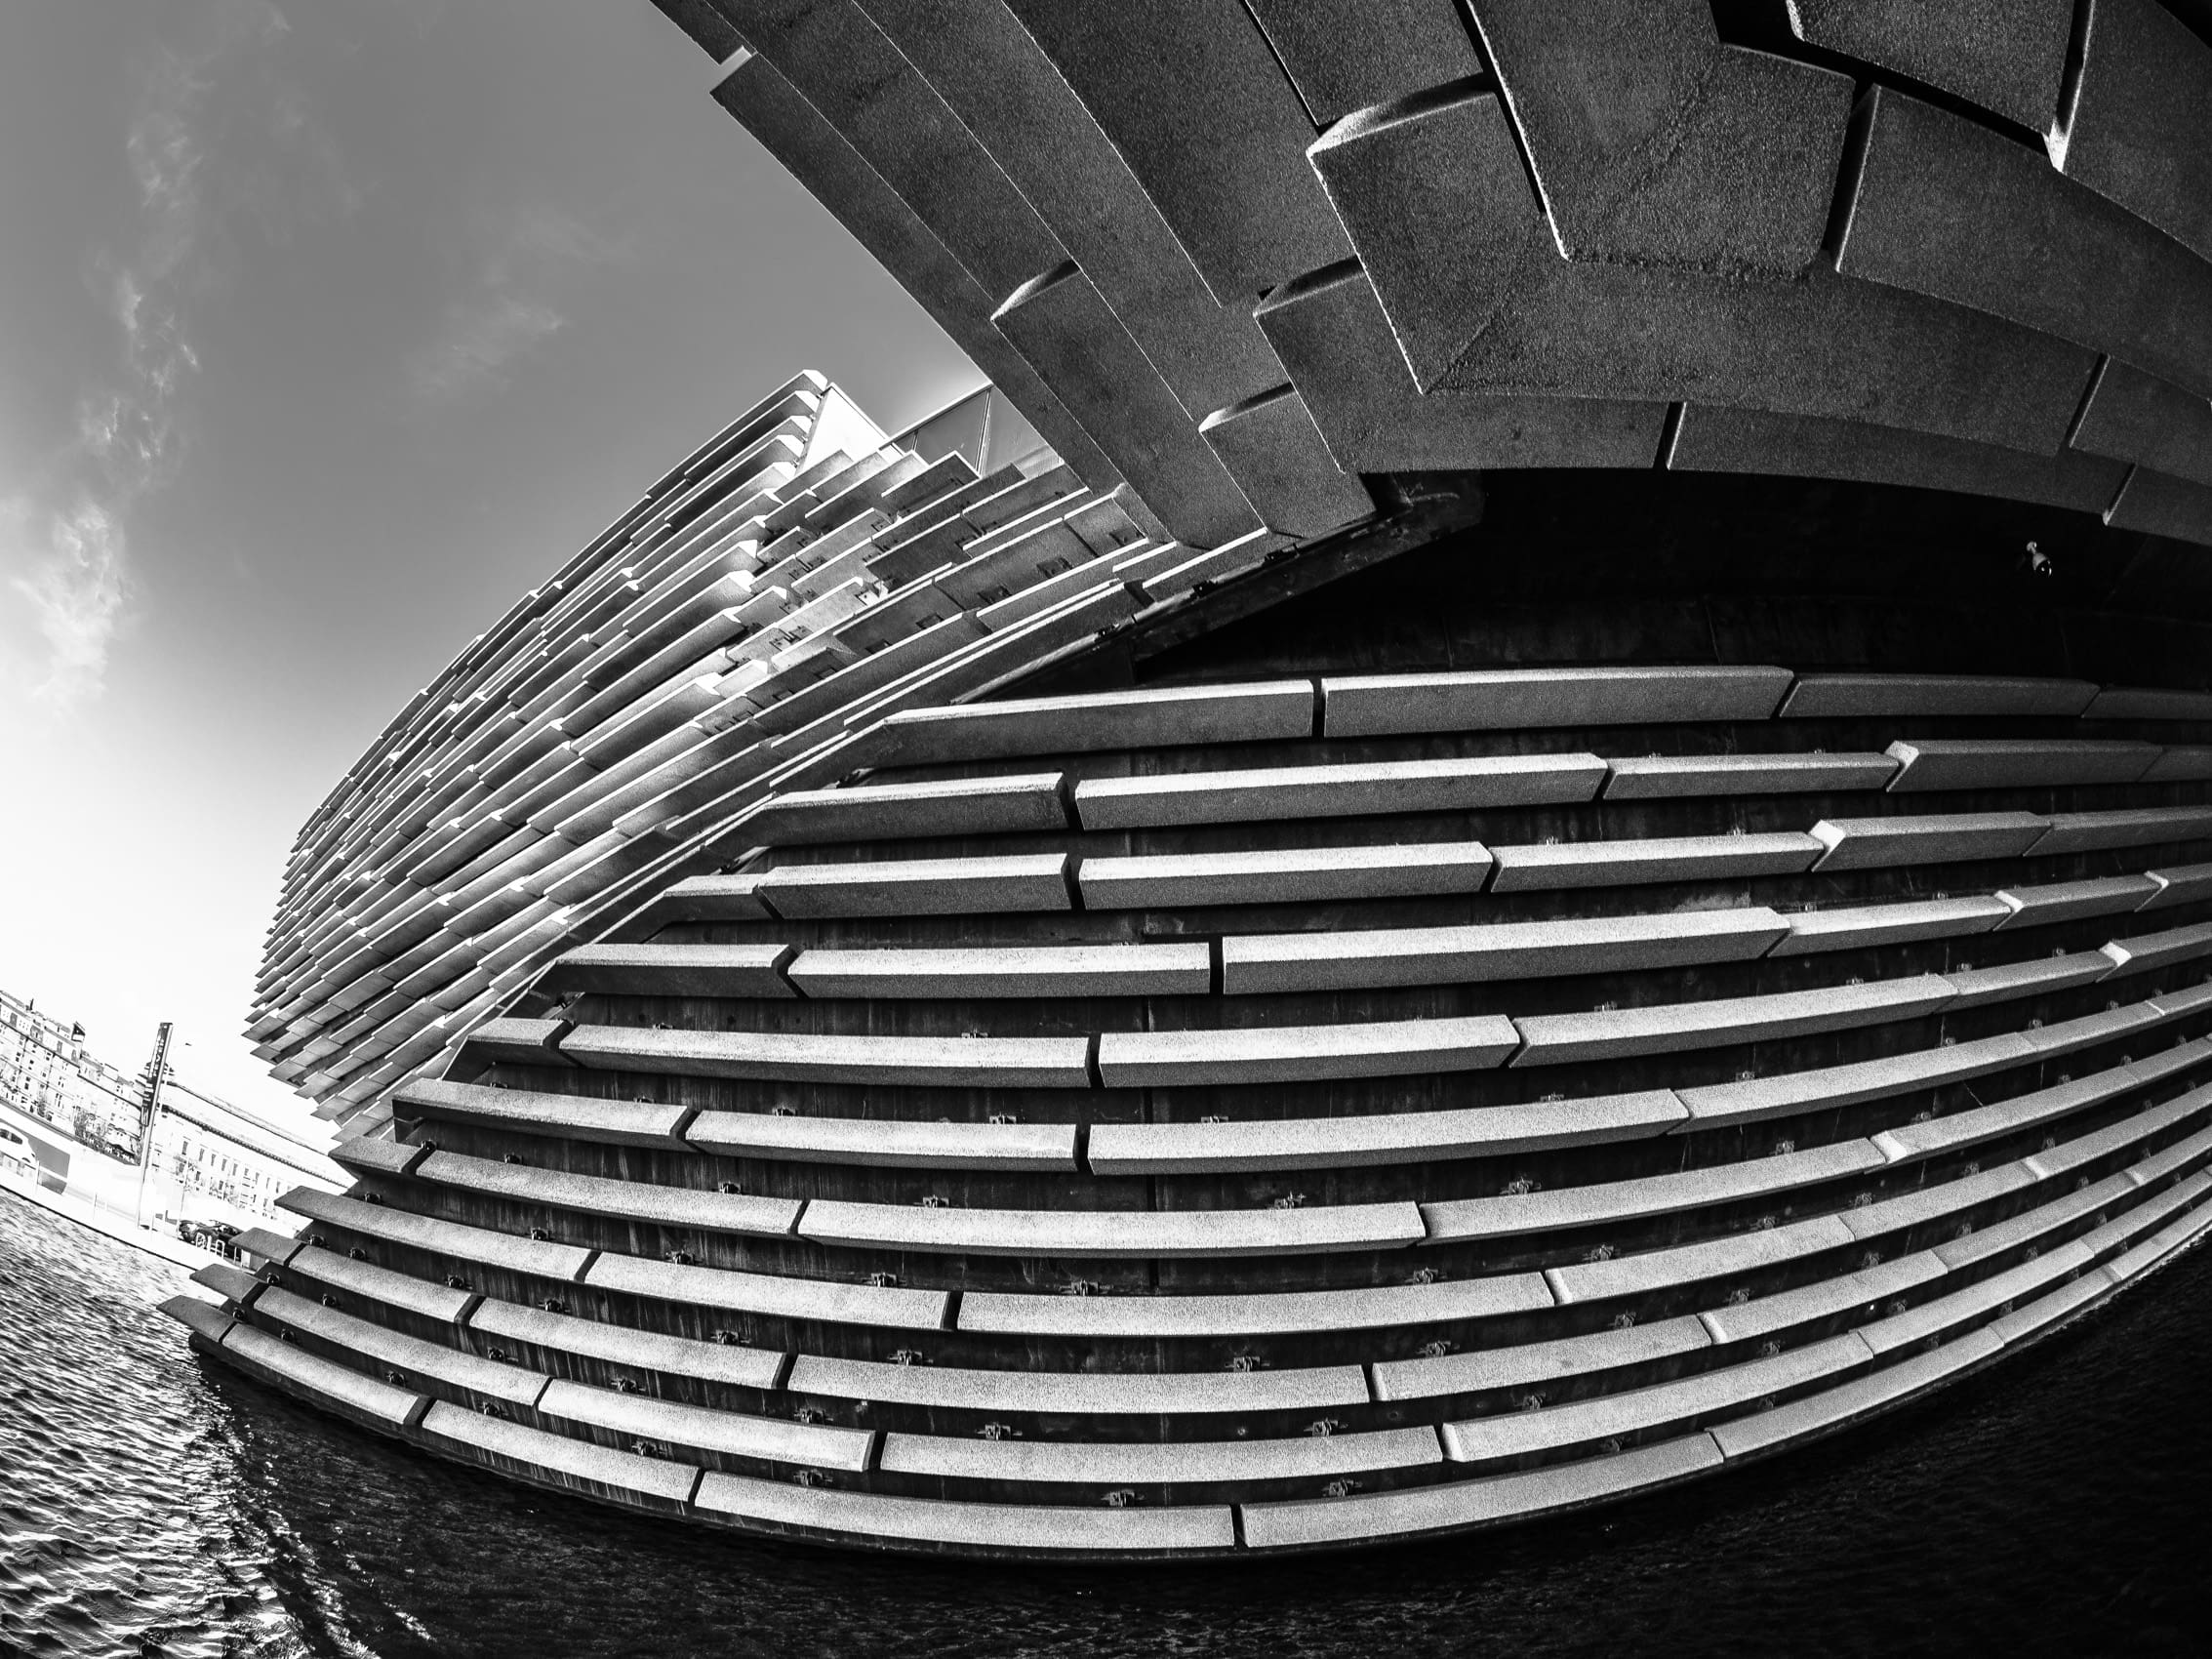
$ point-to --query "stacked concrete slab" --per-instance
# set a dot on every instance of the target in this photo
(1442, 904)
(797, 573)
(1880, 245)
(1151, 1121)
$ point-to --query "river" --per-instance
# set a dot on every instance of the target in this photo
(151, 1504)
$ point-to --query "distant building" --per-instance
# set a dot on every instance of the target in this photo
(70, 1122)
(47, 1073)
(213, 1162)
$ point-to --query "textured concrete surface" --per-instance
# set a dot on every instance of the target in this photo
(1961, 213)
(797, 134)
(1826, 345)
(994, 75)
(1274, 452)
(2132, 416)
(2006, 55)
(1347, 54)
(1286, 876)
(1479, 300)
(1987, 763)
(1007, 970)
(1856, 696)
(1440, 213)
(1193, 96)
(2139, 129)
(1370, 1048)
(1858, 926)
(920, 887)
(865, 87)
(1262, 963)
(1335, 791)
(1708, 439)
(1658, 776)
(1505, 699)
(1331, 336)
(2163, 505)
(876, 812)
(1870, 843)
(2128, 826)
(1077, 345)
(1659, 858)
(1551, 1039)
(1653, 143)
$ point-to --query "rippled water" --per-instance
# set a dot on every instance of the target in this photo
(152, 1505)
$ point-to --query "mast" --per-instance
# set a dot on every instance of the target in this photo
(150, 1110)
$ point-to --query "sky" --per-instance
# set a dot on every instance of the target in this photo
(326, 329)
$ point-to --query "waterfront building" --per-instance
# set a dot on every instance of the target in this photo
(48, 1073)
(214, 1161)
(1545, 826)
(73, 1126)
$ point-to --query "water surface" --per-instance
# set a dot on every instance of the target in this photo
(153, 1504)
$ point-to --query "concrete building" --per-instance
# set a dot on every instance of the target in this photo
(1544, 827)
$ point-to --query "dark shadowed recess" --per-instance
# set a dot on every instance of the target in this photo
(1581, 567)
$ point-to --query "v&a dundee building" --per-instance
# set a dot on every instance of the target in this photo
(1524, 816)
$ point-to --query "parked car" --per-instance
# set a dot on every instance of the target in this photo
(216, 1236)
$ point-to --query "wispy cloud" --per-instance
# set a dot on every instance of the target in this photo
(481, 336)
(514, 300)
(68, 534)
(76, 591)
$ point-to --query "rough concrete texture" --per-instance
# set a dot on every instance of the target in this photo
(1653, 143)
(1652, 776)
(1479, 699)
(2139, 129)
(1661, 857)
(1332, 336)
(1956, 211)
(1193, 96)
(1347, 54)
(1410, 183)
(863, 85)
(1368, 1049)
(1822, 346)
(1875, 843)
(1980, 763)
(2132, 416)
(1479, 300)
(1890, 696)
(1252, 796)
(1078, 346)
(1711, 439)
(2164, 507)
(795, 132)
(2006, 55)
(1076, 725)
(1258, 964)
(978, 886)
(1272, 449)
(1283, 876)
(999, 82)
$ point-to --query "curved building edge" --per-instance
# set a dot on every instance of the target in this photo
(1619, 726)
(1490, 1502)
